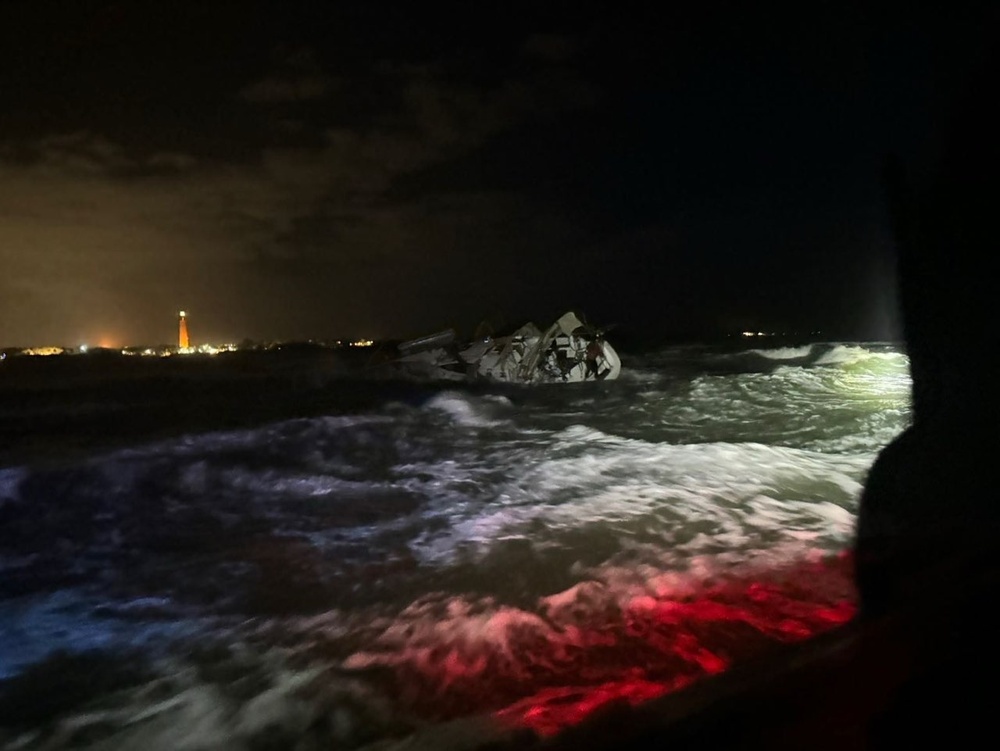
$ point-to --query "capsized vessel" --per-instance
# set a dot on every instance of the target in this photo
(568, 351)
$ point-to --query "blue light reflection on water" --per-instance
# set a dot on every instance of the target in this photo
(36, 627)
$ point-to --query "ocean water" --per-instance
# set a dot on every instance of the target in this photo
(451, 568)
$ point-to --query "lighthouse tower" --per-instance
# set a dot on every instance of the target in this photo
(183, 342)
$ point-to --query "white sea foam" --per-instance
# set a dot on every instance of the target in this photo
(845, 354)
(635, 375)
(784, 353)
(10, 481)
(191, 718)
(621, 480)
(464, 410)
(455, 635)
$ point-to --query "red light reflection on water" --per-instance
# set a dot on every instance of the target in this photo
(601, 642)
(694, 638)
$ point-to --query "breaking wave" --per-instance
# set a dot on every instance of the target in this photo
(444, 570)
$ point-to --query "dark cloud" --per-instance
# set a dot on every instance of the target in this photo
(554, 48)
(291, 238)
(278, 89)
(299, 78)
(376, 169)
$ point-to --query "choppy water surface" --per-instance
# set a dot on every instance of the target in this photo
(508, 559)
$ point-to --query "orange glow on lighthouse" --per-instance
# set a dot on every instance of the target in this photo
(183, 342)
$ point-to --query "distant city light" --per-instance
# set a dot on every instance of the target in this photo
(774, 333)
(168, 350)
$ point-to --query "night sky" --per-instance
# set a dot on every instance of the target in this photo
(318, 170)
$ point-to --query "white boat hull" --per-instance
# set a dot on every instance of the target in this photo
(567, 352)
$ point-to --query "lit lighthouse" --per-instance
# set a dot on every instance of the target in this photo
(183, 342)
